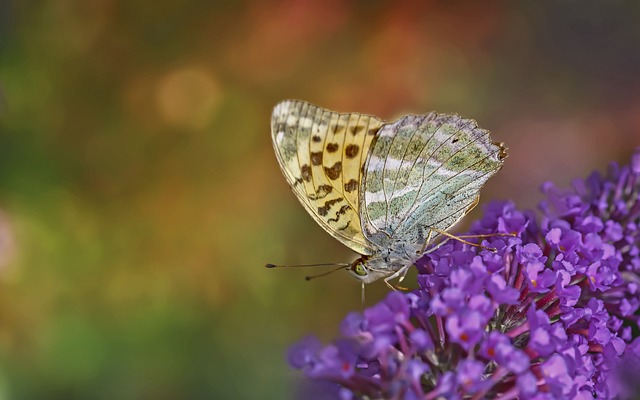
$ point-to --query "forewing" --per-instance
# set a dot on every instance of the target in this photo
(321, 154)
(426, 172)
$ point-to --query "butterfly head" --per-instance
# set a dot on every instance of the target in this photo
(362, 271)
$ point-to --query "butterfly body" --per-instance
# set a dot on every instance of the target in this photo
(385, 190)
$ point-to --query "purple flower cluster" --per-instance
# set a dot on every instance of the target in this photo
(551, 314)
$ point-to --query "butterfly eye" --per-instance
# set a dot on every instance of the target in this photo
(360, 269)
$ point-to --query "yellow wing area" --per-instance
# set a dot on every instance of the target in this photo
(321, 154)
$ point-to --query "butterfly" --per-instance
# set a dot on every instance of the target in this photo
(385, 190)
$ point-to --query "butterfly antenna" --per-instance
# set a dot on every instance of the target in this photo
(341, 265)
(326, 273)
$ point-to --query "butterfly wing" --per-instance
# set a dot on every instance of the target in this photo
(426, 172)
(321, 154)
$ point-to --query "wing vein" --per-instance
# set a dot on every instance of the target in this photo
(467, 184)
(406, 149)
(425, 178)
(423, 170)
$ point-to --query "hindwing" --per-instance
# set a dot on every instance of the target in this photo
(425, 172)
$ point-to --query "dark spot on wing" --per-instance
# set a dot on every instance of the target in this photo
(332, 147)
(351, 185)
(340, 212)
(334, 171)
(306, 172)
(324, 210)
(337, 128)
(316, 139)
(351, 150)
(455, 140)
(321, 192)
(356, 129)
(316, 158)
(372, 131)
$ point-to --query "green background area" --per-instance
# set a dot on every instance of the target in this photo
(139, 193)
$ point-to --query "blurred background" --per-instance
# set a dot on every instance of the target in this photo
(140, 196)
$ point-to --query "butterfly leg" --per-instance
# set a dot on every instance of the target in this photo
(434, 248)
(401, 273)
(460, 239)
(486, 235)
(427, 241)
(423, 250)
